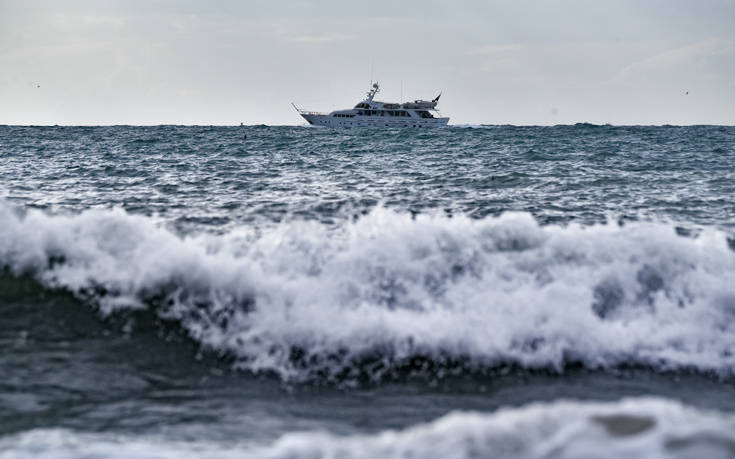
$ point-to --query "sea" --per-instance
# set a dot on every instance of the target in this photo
(296, 292)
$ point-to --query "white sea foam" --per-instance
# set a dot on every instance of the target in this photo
(638, 427)
(302, 298)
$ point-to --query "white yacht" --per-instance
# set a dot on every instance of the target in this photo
(372, 113)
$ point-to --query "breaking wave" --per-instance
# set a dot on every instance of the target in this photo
(390, 291)
(637, 427)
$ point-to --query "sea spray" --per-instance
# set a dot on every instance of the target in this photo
(366, 297)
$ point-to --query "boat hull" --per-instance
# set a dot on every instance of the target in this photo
(374, 121)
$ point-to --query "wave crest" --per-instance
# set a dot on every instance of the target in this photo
(636, 427)
(393, 291)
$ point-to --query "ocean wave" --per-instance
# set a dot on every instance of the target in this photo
(394, 292)
(636, 427)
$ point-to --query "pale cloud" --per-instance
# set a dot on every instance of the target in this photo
(499, 58)
(496, 49)
(186, 22)
(317, 39)
(75, 21)
(672, 57)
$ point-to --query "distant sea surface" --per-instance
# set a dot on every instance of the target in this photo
(294, 292)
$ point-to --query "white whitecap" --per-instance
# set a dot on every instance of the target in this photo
(635, 427)
(390, 286)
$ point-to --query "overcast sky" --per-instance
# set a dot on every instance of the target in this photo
(497, 62)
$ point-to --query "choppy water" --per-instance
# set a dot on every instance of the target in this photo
(263, 291)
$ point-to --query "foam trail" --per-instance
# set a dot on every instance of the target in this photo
(306, 300)
(638, 427)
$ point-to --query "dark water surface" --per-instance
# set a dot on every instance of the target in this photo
(491, 291)
(211, 178)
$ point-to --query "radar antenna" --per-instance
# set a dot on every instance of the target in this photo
(374, 90)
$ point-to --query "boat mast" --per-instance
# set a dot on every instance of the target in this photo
(374, 90)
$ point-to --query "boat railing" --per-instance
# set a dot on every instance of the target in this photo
(306, 112)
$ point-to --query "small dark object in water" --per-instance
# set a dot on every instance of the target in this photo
(623, 425)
